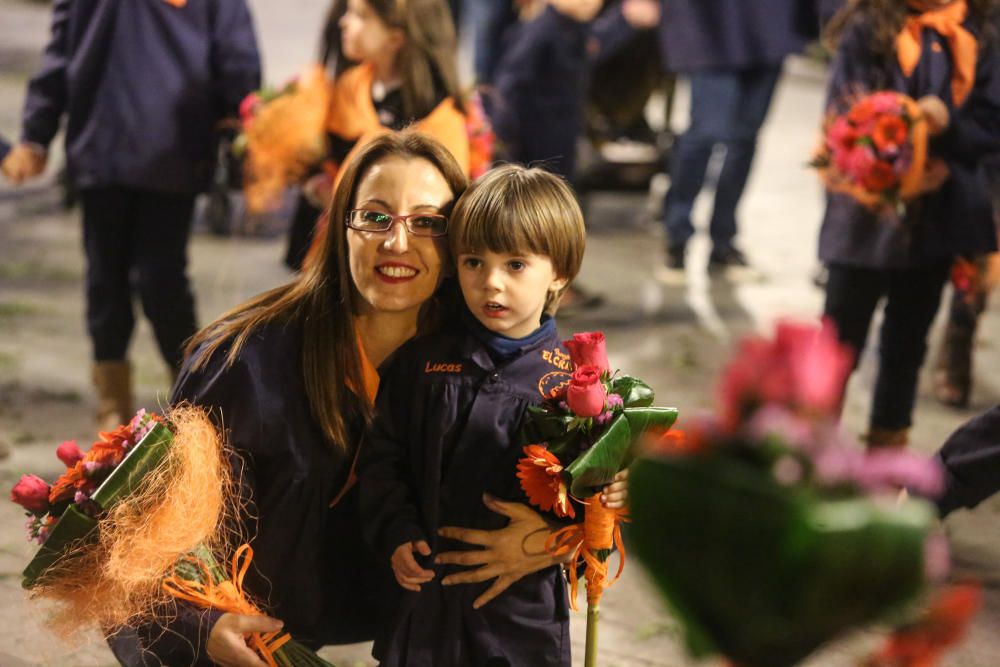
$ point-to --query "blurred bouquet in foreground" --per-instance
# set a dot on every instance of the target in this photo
(584, 435)
(769, 530)
(283, 134)
(134, 525)
(876, 152)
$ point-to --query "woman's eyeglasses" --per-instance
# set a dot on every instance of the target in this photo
(418, 224)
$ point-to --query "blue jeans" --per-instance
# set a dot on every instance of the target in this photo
(727, 107)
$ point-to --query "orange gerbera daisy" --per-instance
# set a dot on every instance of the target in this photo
(65, 487)
(890, 131)
(541, 478)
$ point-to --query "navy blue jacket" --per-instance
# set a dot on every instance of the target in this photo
(445, 431)
(142, 84)
(734, 34)
(971, 459)
(957, 218)
(311, 568)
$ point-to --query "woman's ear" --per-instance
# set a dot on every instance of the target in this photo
(397, 39)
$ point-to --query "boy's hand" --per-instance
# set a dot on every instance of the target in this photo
(615, 495)
(408, 572)
(641, 14)
(23, 162)
(936, 113)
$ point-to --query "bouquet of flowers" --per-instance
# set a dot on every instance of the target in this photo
(583, 437)
(769, 530)
(134, 525)
(282, 136)
(876, 152)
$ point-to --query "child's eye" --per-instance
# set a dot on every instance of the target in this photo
(472, 262)
(516, 265)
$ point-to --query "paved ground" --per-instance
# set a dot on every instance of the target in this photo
(676, 338)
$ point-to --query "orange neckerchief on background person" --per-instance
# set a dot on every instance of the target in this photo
(176, 3)
(370, 378)
(947, 22)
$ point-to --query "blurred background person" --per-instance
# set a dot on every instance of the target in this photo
(142, 86)
(731, 52)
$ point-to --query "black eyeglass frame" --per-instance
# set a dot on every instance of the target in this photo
(405, 219)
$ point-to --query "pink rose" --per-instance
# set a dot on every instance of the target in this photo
(886, 102)
(588, 349)
(585, 394)
(69, 453)
(860, 161)
(248, 107)
(31, 493)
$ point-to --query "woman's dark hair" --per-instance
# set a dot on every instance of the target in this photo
(323, 299)
(885, 18)
(428, 61)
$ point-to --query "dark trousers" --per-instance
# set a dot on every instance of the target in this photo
(728, 108)
(912, 300)
(301, 232)
(136, 240)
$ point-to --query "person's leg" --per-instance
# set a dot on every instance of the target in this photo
(756, 89)
(107, 234)
(713, 97)
(163, 227)
(852, 294)
(913, 299)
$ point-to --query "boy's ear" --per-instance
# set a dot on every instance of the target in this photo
(558, 284)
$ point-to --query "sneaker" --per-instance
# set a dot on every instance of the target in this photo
(672, 272)
(733, 264)
(726, 257)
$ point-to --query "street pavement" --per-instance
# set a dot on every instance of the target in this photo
(676, 338)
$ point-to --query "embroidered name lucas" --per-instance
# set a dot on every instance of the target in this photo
(442, 368)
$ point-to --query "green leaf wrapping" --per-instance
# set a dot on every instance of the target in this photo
(763, 573)
(612, 451)
(74, 528)
(634, 392)
(542, 425)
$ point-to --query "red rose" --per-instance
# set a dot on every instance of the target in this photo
(31, 493)
(879, 178)
(588, 349)
(69, 453)
(585, 395)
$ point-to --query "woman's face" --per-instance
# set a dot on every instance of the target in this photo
(365, 37)
(396, 271)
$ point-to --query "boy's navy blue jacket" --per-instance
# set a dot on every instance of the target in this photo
(311, 567)
(734, 34)
(445, 432)
(971, 459)
(957, 219)
(143, 84)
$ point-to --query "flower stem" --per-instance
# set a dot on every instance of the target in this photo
(593, 616)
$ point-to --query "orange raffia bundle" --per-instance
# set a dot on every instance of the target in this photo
(876, 152)
(283, 135)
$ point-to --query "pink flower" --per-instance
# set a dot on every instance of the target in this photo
(885, 102)
(859, 162)
(588, 349)
(69, 453)
(31, 493)
(891, 467)
(585, 394)
(841, 136)
(819, 364)
(248, 107)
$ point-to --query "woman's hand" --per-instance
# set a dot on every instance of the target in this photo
(508, 553)
(615, 495)
(227, 644)
(23, 162)
(408, 572)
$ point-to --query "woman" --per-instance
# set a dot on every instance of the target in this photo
(290, 375)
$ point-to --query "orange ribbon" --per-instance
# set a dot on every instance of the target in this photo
(601, 530)
(228, 596)
(947, 22)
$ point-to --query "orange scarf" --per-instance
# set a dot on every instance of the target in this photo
(176, 3)
(947, 22)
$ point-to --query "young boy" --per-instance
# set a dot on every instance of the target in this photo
(446, 428)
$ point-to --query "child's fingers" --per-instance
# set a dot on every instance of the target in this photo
(410, 567)
(613, 500)
(476, 557)
(408, 586)
(422, 548)
(498, 587)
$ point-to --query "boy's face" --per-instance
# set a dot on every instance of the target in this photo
(507, 292)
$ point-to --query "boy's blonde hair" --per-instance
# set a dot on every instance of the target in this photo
(514, 209)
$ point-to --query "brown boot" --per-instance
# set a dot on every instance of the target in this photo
(113, 381)
(887, 437)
